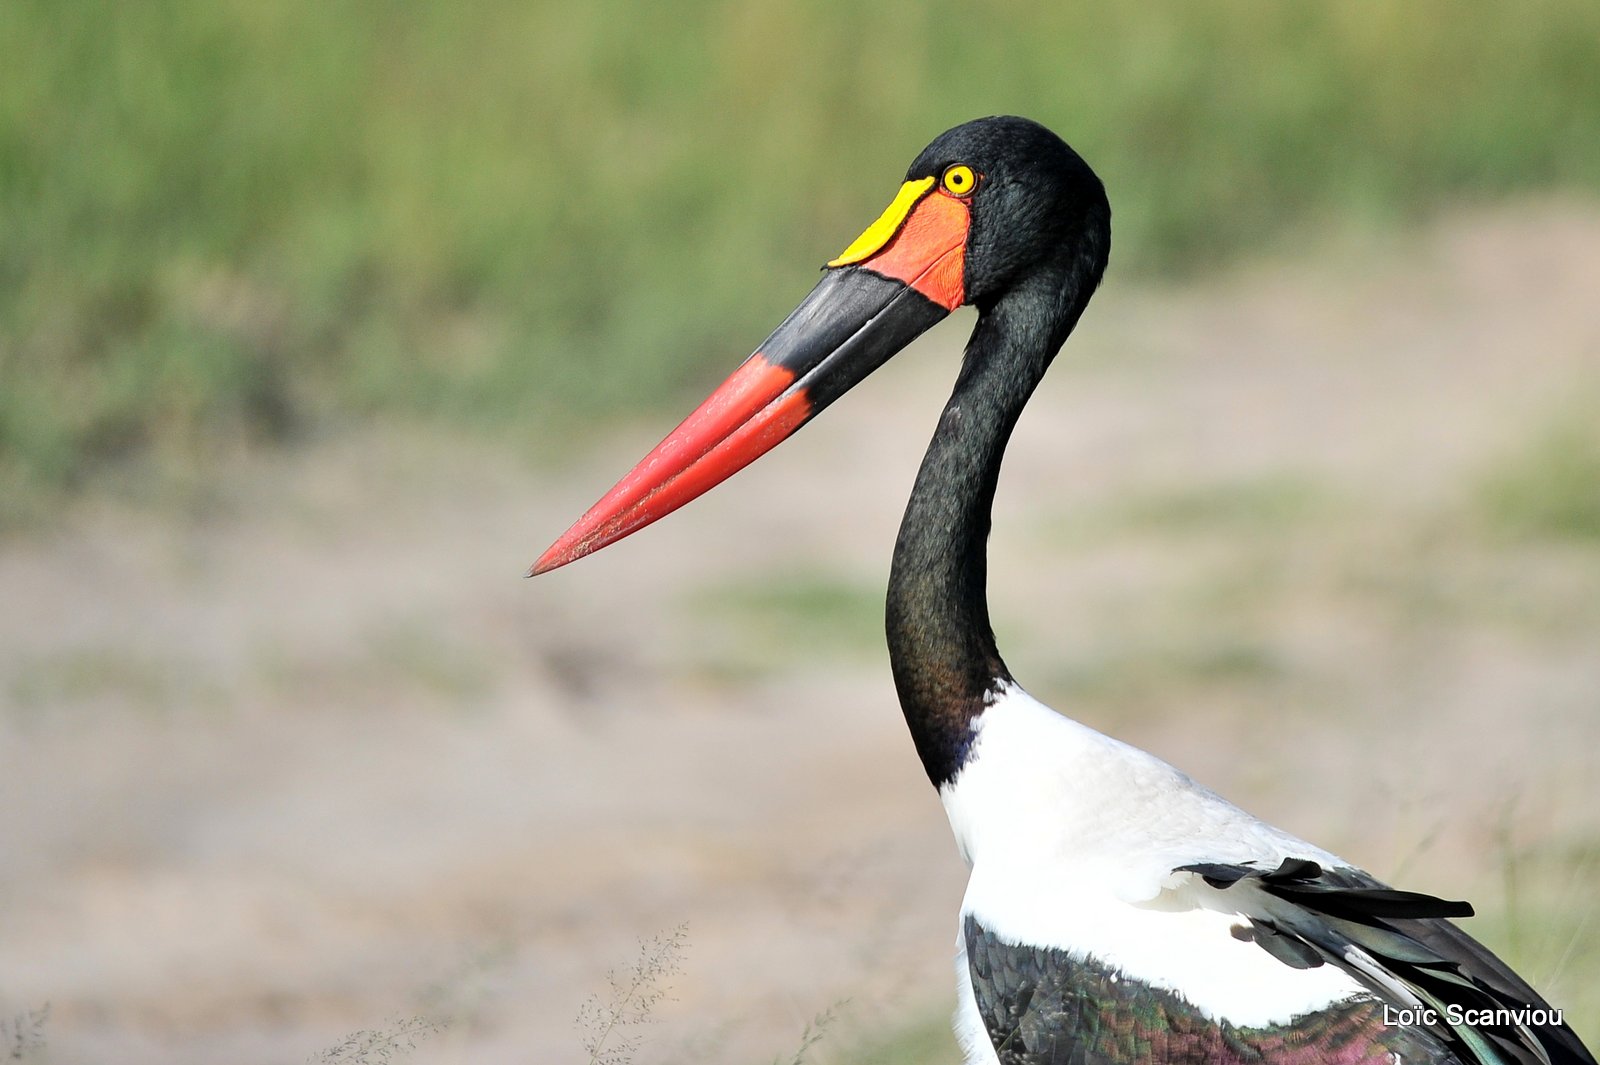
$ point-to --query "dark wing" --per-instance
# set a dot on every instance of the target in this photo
(1400, 945)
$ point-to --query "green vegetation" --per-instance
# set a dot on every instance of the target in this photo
(53, 685)
(1544, 895)
(227, 221)
(928, 1043)
(774, 625)
(395, 662)
(1551, 489)
(1259, 506)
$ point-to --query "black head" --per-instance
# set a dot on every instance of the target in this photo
(1037, 206)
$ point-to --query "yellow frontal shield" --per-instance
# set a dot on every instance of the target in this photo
(888, 224)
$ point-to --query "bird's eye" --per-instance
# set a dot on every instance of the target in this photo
(959, 180)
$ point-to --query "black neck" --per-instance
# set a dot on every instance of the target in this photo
(941, 646)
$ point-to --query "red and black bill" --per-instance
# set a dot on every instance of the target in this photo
(898, 279)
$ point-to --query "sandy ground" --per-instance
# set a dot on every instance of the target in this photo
(306, 756)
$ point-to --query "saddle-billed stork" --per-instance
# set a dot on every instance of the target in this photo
(1117, 911)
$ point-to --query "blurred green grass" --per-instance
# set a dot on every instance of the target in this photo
(1551, 489)
(928, 1042)
(231, 222)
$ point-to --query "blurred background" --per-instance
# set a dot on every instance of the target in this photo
(318, 321)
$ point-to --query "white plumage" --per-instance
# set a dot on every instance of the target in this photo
(1073, 838)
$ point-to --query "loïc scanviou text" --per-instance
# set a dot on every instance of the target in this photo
(1458, 1014)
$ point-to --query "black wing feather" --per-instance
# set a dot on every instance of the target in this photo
(1417, 950)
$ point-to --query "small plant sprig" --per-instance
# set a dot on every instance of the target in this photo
(22, 1034)
(815, 1029)
(378, 1044)
(608, 1024)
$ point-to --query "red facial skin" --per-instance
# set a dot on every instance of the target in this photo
(929, 252)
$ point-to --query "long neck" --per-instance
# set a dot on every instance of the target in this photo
(941, 646)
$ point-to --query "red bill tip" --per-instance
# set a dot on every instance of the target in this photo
(747, 416)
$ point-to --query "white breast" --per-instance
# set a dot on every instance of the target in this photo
(1072, 838)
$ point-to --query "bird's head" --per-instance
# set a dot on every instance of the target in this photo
(991, 208)
(1017, 197)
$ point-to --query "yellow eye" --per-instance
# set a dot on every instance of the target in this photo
(959, 180)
